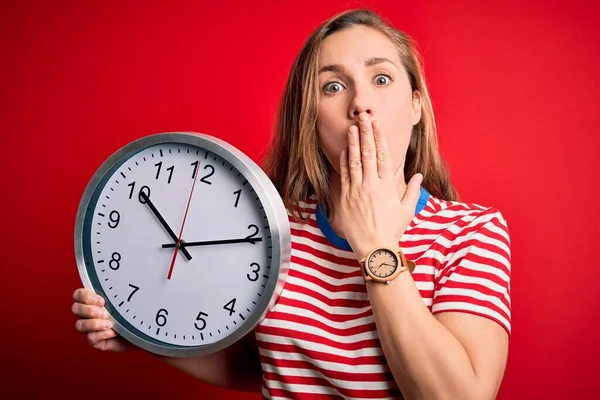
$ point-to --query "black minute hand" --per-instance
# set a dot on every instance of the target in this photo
(164, 224)
(212, 242)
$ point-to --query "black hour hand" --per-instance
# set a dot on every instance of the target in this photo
(164, 224)
(183, 245)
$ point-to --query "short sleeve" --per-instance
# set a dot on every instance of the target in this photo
(476, 275)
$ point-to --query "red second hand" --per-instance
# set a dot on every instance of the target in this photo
(182, 225)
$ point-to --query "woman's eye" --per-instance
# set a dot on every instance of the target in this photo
(332, 87)
(382, 79)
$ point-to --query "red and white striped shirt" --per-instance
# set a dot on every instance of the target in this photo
(320, 339)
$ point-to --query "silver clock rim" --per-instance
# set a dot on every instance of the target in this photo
(274, 209)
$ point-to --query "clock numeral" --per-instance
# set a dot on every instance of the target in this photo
(254, 272)
(132, 184)
(237, 199)
(135, 289)
(114, 218)
(199, 318)
(229, 307)
(195, 164)
(158, 171)
(170, 169)
(146, 192)
(204, 178)
(145, 189)
(161, 320)
(208, 175)
(252, 234)
(116, 257)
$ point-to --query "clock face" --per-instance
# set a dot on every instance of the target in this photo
(383, 263)
(205, 289)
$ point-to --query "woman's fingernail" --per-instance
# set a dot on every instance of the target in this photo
(108, 325)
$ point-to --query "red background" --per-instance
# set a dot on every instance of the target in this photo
(515, 89)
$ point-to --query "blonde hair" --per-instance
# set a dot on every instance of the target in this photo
(295, 162)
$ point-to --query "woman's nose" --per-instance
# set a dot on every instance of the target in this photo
(357, 112)
(360, 102)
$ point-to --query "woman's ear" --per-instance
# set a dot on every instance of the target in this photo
(416, 107)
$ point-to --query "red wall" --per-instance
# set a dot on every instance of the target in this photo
(515, 88)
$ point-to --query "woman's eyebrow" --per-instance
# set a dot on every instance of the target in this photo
(370, 62)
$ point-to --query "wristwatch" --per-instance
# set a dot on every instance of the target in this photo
(384, 264)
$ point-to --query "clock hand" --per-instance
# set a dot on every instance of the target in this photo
(409, 264)
(377, 267)
(178, 244)
(163, 222)
(212, 242)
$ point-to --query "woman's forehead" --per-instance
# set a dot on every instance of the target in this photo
(354, 46)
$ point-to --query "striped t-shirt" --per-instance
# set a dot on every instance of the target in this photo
(320, 339)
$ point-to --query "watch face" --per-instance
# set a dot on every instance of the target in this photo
(179, 243)
(383, 263)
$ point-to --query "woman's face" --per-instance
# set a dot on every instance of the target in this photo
(360, 72)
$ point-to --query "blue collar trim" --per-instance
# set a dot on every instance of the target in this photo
(340, 242)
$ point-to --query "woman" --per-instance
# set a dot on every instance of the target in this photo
(355, 159)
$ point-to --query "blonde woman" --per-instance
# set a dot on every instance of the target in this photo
(355, 159)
